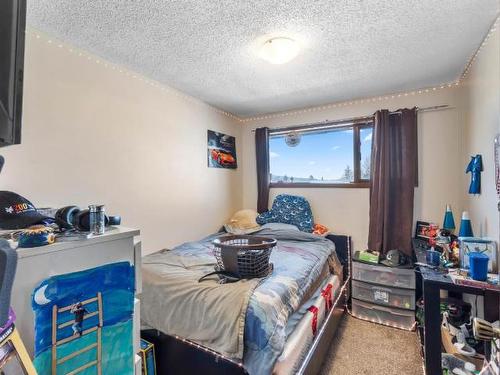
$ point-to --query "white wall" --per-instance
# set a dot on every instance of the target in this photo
(346, 210)
(94, 135)
(482, 122)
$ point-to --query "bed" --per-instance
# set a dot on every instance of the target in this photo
(288, 318)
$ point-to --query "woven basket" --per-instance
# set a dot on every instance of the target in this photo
(245, 256)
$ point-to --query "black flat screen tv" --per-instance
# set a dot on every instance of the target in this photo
(12, 35)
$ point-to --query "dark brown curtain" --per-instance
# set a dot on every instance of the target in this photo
(393, 180)
(262, 158)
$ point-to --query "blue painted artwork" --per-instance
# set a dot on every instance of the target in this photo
(88, 315)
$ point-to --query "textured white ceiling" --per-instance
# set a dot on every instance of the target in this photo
(208, 48)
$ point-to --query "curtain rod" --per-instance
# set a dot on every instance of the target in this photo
(327, 124)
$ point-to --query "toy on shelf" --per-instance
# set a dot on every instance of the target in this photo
(450, 246)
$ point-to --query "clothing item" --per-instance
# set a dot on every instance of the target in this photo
(242, 222)
(475, 168)
(289, 209)
(17, 212)
(393, 180)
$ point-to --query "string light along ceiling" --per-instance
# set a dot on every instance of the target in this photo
(164, 88)
(208, 50)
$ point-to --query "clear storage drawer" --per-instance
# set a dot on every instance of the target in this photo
(387, 276)
(404, 319)
(382, 295)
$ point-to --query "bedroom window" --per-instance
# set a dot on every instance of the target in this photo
(325, 156)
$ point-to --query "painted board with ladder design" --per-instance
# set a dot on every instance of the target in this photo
(76, 324)
(84, 322)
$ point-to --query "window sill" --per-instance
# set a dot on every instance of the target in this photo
(355, 185)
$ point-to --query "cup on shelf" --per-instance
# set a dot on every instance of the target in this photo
(433, 257)
(478, 263)
(97, 218)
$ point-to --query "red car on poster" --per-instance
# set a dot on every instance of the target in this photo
(221, 150)
(222, 157)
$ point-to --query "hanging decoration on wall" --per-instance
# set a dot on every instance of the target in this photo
(292, 139)
(475, 168)
(221, 150)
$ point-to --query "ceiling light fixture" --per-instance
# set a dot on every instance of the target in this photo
(279, 50)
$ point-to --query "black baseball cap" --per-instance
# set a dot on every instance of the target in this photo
(17, 212)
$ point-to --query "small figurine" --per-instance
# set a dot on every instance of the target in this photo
(79, 311)
(431, 232)
(455, 252)
(475, 167)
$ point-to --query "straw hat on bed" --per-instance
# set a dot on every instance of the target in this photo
(243, 222)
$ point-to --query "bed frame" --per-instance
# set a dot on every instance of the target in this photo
(175, 355)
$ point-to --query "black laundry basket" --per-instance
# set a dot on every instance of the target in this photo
(246, 257)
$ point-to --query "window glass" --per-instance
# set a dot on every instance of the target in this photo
(323, 157)
(365, 138)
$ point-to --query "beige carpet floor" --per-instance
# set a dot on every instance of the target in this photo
(361, 348)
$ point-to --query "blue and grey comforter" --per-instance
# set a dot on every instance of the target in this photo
(299, 261)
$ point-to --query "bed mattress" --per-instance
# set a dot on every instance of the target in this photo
(303, 326)
(300, 261)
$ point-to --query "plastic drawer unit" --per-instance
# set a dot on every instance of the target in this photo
(384, 295)
(394, 277)
(399, 318)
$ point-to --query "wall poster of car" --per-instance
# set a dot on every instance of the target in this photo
(221, 150)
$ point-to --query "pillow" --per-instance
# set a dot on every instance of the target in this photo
(289, 209)
(242, 222)
(279, 226)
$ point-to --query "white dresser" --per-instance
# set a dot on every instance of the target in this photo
(39, 263)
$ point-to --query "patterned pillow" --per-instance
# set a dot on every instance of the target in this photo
(289, 209)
